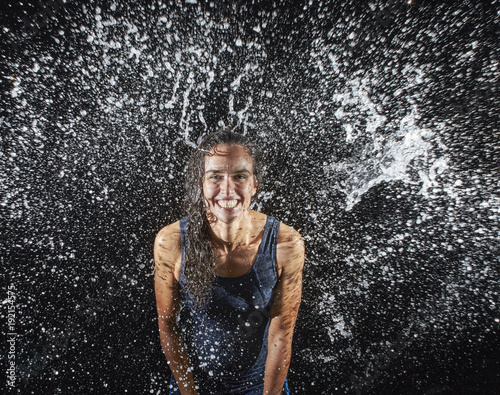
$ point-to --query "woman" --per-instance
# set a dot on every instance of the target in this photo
(228, 279)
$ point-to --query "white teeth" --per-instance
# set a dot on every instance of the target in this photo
(227, 203)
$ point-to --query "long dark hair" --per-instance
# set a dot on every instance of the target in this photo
(199, 262)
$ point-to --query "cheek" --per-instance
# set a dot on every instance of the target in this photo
(250, 189)
(208, 190)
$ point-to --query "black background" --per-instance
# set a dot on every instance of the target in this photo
(401, 282)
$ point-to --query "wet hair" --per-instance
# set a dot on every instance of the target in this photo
(199, 259)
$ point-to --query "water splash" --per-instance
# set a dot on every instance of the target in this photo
(380, 156)
(378, 125)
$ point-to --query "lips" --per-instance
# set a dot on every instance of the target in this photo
(227, 203)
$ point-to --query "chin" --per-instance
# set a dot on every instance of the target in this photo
(227, 218)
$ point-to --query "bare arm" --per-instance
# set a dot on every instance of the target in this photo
(286, 306)
(167, 252)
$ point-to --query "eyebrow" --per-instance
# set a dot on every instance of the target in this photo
(222, 171)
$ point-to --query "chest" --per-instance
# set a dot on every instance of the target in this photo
(237, 262)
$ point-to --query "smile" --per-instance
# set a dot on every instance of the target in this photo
(227, 203)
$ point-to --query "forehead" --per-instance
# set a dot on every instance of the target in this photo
(229, 157)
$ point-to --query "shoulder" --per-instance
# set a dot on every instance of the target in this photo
(289, 237)
(169, 236)
(167, 248)
(290, 248)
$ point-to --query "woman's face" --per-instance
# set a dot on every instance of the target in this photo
(229, 183)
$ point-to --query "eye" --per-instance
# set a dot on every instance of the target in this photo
(215, 177)
(241, 177)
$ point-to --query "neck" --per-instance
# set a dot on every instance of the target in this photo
(232, 234)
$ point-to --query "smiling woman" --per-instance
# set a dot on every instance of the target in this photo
(229, 183)
(228, 279)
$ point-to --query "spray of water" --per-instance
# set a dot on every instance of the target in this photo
(380, 127)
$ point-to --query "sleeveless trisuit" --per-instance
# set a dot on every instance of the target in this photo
(227, 338)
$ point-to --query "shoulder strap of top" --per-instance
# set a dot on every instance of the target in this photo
(270, 237)
(265, 263)
(266, 258)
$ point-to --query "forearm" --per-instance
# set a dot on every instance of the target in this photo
(277, 364)
(177, 358)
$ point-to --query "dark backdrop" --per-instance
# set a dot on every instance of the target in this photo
(379, 123)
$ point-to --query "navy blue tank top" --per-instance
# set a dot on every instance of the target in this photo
(226, 339)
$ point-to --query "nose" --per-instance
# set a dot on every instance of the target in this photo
(227, 187)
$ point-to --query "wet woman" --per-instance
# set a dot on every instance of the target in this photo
(228, 279)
